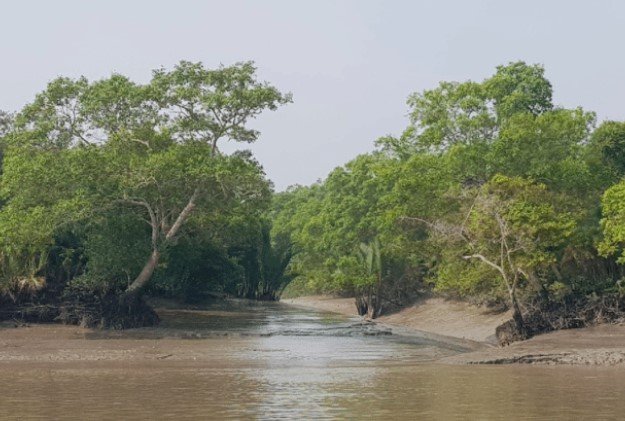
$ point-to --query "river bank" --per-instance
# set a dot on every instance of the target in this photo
(459, 325)
(602, 345)
(455, 319)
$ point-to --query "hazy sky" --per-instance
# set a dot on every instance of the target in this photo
(349, 64)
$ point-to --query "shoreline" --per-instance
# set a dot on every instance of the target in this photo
(454, 321)
(602, 345)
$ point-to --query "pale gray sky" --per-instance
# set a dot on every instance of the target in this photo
(349, 64)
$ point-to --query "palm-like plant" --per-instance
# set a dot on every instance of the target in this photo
(369, 301)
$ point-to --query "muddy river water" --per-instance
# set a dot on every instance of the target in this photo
(272, 361)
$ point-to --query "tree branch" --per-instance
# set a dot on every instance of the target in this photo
(488, 262)
(182, 216)
(153, 219)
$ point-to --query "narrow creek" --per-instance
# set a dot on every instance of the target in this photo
(271, 361)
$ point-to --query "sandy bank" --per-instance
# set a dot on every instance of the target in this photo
(434, 315)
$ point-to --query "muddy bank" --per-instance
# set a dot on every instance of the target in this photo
(343, 306)
(598, 345)
(236, 329)
(438, 316)
(201, 334)
(602, 345)
(106, 309)
(52, 343)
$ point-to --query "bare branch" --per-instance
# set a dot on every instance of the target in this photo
(182, 216)
(142, 142)
(488, 262)
(153, 219)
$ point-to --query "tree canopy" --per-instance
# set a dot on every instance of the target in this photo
(133, 172)
(491, 192)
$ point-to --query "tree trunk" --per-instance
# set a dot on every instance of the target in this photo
(373, 308)
(135, 288)
(378, 297)
(374, 302)
(146, 274)
(370, 304)
(361, 305)
(517, 315)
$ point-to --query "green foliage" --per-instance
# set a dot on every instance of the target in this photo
(188, 103)
(137, 169)
(613, 222)
(470, 113)
(516, 224)
(6, 123)
(609, 141)
(490, 192)
(206, 105)
(547, 147)
(467, 279)
(518, 89)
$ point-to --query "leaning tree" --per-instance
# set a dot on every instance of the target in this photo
(82, 151)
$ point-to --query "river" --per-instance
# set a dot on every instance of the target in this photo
(271, 361)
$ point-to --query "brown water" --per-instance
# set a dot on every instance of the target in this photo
(277, 362)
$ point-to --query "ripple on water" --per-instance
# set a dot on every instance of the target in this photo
(275, 362)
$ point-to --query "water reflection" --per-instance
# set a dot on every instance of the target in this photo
(285, 363)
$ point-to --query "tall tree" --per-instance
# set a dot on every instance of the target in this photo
(518, 88)
(151, 148)
(210, 105)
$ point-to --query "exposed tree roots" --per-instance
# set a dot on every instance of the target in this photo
(85, 308)
(571, 313)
